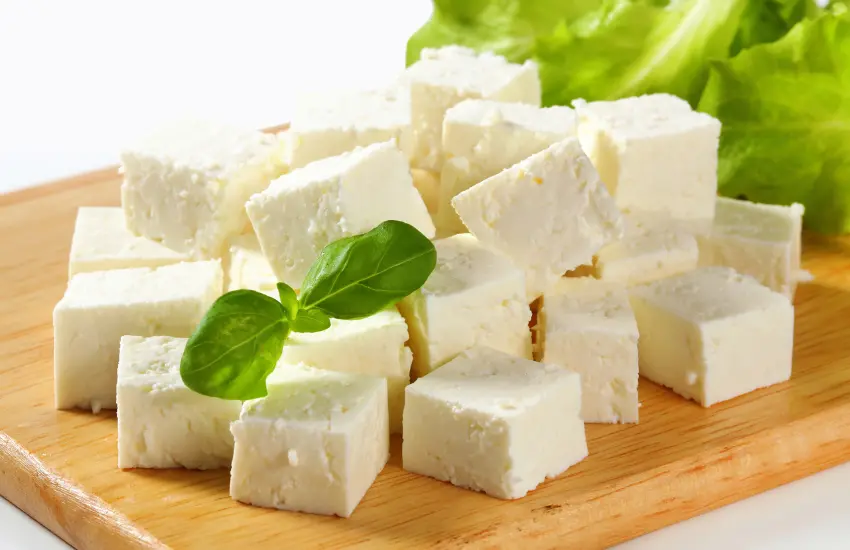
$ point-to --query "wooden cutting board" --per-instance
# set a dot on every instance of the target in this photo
(681, 460)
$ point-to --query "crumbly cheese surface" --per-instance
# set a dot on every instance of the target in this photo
(588, 327)
(186, 185)
(495, 423)
(372, 346)
(446, 76)
(247, 267)
(713, 334)
(654, 154)
(474, 297)
(102, 241)
(315, 444)
(328, 125)
(100, 307)
(332, 198)
(652, 248)
(161, 422)
(549, 213)
(638, 117)
(559, 121)
(482, 137)
(760, 240)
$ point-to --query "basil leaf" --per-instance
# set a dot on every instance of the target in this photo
(289, 300)
(236, 346)
(359, 276)
(311, 320)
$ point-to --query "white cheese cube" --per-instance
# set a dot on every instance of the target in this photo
(186, 185)
(654, 154)
(474, 297)
(493, 423)
(549, 213)
(760, 240)
(333, 198)
(315, 444)
(713, 334)
(588, 327)
(161, 422)
(446, 76)
(652, 248)
(481, 138)
(102, 241)
(326, 125)
(374, 345)
(248, 268)
(102, 306)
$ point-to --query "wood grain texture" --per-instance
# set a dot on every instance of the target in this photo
(681, 460)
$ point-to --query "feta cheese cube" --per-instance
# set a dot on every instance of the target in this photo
(330, 199)
(654, 154)
(248, 268)
(588, 327)
(652, 248)
(474, 297)
(446, 76)
(102, 241)
(326, 125)
(186, 186)
(100, 307)
(713, 334)
(760, 240)
(549, 213)
(495, 423)
(315, 444)
(374, 346)
(161, 422)
(481, 138)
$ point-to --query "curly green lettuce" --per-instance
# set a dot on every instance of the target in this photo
(769, 20)
(606, 49)
(785, 108)
(506, 27)
(593, 49)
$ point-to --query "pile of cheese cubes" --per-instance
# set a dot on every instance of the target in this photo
(604, 218)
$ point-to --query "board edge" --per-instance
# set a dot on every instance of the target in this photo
(810, 445)
(81, 519)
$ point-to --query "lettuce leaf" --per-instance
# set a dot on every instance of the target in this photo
(769, 20)
(506, 27)
(593, 49)
(606, 49)
(629, 48)
(785, 109)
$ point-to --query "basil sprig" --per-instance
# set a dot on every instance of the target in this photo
(288, 300)
(241, 337)
(236, 346)
(359, 276)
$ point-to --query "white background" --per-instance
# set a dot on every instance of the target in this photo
(80, 80)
